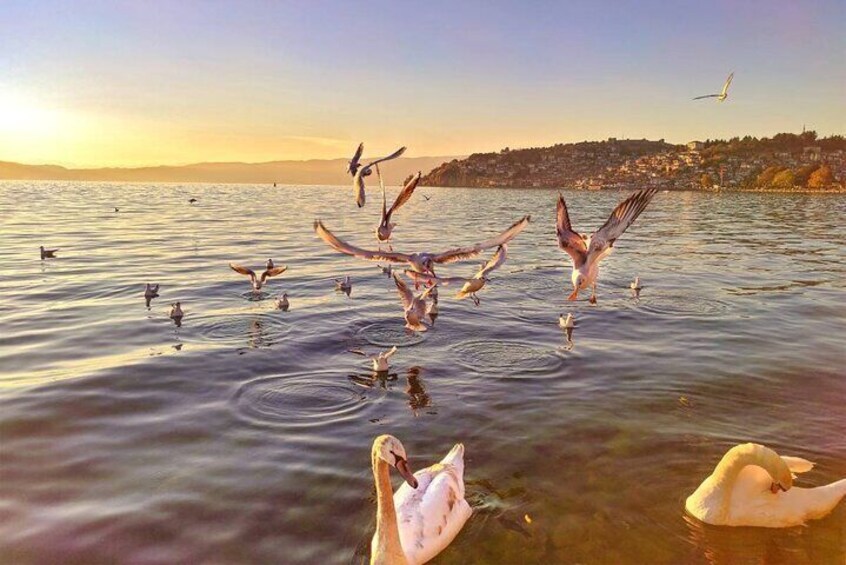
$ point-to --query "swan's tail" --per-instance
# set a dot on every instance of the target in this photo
(455, 457)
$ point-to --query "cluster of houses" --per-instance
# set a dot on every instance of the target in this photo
(624, 164)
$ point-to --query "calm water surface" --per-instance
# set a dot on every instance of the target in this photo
(244, 436)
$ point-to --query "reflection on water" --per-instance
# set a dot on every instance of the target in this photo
(243, 436)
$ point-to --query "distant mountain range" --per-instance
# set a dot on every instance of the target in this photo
(317, 171)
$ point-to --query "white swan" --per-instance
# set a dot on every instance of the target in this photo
(753, 486)
(426, 513)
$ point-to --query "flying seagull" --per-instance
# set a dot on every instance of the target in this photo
(270, 271)
(414, 307)
(385, 227)
(366, 171)
(423, 262)
(470, 286)
(587, 251)
(723, 94)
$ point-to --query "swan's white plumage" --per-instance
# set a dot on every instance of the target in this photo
(430, 516)
(738, 492)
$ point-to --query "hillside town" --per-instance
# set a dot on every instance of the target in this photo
(784, 162)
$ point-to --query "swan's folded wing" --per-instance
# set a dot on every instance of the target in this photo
(431, 516)
(344, 247)
(797, 464)
(462, 253)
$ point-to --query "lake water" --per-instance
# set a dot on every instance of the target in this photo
(244, 435)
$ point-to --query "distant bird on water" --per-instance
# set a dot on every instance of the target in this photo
(48, 253)
(191, 200)
(723, 94)
(385, 227)
(470, 286)
(150, 292)
(366, 171)
(380, 360)
(282, 302)
(414, 307)
(422, 262)
(344, 285)
(176, 313)
(257, 281)
(587, 251)
(117, 209)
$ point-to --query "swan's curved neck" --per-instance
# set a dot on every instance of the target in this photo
(727, 470)
(387, 549)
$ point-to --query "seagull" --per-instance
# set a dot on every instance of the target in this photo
(150, 292)
(366, 171)
(380, 360)
(48, 253)
(723, 94)
(117, 209)
(386, 270)
(426, 197)
(414, 306)
(470, 286)
(270, 271)
(282, 302)
(385, 227)
(567, 323)
(176, 313)
(586, 252)
(355, 162)
(635, 286)
(191, 200)
(344, 285)
(423, 262)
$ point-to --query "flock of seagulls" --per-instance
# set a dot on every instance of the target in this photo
(751, 485)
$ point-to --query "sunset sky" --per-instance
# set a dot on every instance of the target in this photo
(126, 83)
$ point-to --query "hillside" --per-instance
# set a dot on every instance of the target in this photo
(329, 171)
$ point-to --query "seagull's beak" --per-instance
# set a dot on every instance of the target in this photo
(405, 471)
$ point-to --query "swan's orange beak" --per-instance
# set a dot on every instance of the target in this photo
(405, 471)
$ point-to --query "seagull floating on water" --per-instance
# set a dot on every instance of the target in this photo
(176, 313)
(723, 94)
(270, 271)
(150, 292)
(567, 323)
(48, 253)
(282, 302)
(414, 307)
(586, 252)
(635, 286)
(470, 286)
(423, 262)
(366, 171)
(192, 200)
(344, 285)
(385, 227)
(380, 360)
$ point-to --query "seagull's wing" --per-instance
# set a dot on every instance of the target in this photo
(430, 279)
(461, 253)
(357, 156)
(404, 195)
(405, 293)
(242, 270)
(391, 351)
(707, 96)
(568, 240)
(496, 261)
(347, 249)
(393, 155)
(726, 85)
(385, 214)
(621, 218)
(273, 272)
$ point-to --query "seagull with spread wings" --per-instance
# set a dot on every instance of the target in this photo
(469, 286)
(423, 262)
(366, 171)
(723, 94)
(385, 227)
(587, 251)
(257, 281)
(414, 307)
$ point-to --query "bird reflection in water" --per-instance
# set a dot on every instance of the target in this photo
(418, 398)
(374, 379)
(257, 336)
